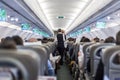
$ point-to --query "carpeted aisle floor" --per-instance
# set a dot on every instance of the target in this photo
(63, 73)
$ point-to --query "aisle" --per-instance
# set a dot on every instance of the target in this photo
(63, 73)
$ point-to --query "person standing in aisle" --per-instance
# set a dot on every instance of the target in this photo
(60, 44)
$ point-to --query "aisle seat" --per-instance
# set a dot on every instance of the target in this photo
(26, 64)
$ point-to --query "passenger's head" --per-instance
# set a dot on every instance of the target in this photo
(96, 39)
(8, 43)
(18, 40)
(74, 40)
(59, 30)
(86, 40)
(118, 38)
(2, 39)
(82, 39)
(109, 40)
(44, 40)
(32, 40)
(39, 39)
(102, 40)
(51, 40)
(62, 31)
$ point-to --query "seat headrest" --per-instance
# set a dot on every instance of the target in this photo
(97, 47)
(115, 60)
(86, 45)
(107, 52)
(42, 54)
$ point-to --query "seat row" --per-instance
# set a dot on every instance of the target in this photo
(96, 61)
(27, 62)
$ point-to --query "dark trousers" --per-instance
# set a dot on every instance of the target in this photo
(61, 52)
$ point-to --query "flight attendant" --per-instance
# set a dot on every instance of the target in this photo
(60, 44)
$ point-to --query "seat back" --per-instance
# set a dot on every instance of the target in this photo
(47, 48)
(76, 51)
(42, 54)
(22, 60)
(70, 45)
(51, 46)
(107, 60)
(85, 49)
(114, 66)
(73, 53)
(95, 52)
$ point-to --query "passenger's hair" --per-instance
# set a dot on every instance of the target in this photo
(82, 39)
(70, 39)
(96, 39)
(39, 39)
(2, 39)
(18, 40)
(118, 38)
(59, 30)
(74, 40)
(109, 40)
(86, 40)
(44, 40)
(62, 31)
(102, 40)
(51, 40)
(8, 43)
(117, 59)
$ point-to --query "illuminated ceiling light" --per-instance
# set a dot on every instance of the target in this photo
(16, 19)
(113, 24)
(28, 31)
(12, 19)
(8, 16)
(82, 4)
(43, 5)
(95, 29)
(85, 0)
(108, 17)
(118, 14)
(6, 24)
(14, 27)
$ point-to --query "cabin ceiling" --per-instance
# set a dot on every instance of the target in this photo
(65, 14)
(102, 15)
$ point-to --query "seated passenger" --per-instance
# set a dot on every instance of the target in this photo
(84, 39)
(116, 60)
(102, 40)
(8, 43)
(51, 71)
(32, 40)
(44, 40)
(100, 69)
(118, 38)
(109, 40)
(18, 40)
(2, 39)
(96, 39)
